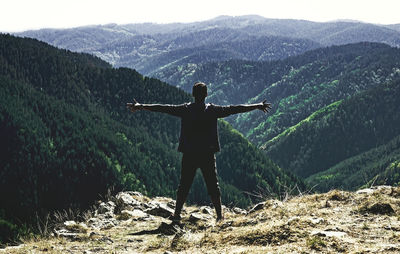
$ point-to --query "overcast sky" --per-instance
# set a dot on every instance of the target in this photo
(20, 15)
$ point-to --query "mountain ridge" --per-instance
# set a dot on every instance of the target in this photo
(105, 41)
(298, 87)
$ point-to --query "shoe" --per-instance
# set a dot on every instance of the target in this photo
(175, 218)
(219, 219)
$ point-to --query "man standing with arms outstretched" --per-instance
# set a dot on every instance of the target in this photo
(199, 141)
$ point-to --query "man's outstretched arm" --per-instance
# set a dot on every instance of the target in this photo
(236, 109)
(263, 106)
(163, 108)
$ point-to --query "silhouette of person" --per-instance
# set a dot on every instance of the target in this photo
(198, 141)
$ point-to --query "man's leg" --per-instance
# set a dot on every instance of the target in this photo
(216, 200)
(188, 171)
(209, 171)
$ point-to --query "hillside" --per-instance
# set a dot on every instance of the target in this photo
(335, 222)
(149, 48)
(302, 90)
(67, 136)
(347, 128)
(296, 86)
(148, 53)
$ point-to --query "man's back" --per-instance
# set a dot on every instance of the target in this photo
(199, 131)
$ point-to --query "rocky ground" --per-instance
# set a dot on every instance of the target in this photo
(366, 221)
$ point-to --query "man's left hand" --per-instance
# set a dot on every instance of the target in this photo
(265, 106)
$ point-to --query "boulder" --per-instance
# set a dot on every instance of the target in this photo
(126, 201)
(160, 209)
(195, 217)
(106, 207)
(67, 234)
(72, 226)
(206, 210)
(316, 220)
(365, 191)
(257, 207)
(238, 210)
(102, 223)
(380, 208)
(328, 233)
(135, 215)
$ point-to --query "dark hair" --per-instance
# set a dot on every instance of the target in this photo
(199, 90)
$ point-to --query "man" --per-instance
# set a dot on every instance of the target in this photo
(198, 141)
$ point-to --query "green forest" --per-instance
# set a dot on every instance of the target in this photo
(335, 112)
(345, 144)
(67, 138)
(296, 86)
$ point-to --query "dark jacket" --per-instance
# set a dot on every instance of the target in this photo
(199, 132)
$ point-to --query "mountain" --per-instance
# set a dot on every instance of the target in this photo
(347, 143)
(149, 47)
(67, 136)
(306, 90)
(149, 52)
(263, 48)
(129, 222)
(296, 86)
(394, 27)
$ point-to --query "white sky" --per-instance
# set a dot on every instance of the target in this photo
(19, 15)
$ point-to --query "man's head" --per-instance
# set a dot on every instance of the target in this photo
(199, 91)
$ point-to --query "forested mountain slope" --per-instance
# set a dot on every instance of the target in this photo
(347, 143)
(148, 53)
(149, 48)
(296, 86)
(67, 136)
(301, 88)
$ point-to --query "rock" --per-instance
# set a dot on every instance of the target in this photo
(257, 207)
(106, 239)
(316, 220)
(135, 215)
(72, 226)
(365, 191)
(171, 204)
(195, 217)
(92, 222)
(293, 219)
(206, 210)
(94, 250)
(103, 223)
(329, 233)
(125, 201)
(266, 204)
(389, 248)
(379, 208)
(106, 208)
(238, 210)
(67, 234)
(100, 238)
(135, 194)
(161, 210)
(336, 195)
(169, 229)
(382, 189)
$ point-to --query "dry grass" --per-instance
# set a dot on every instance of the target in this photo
(333, 222)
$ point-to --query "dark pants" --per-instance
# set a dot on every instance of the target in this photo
(190, 163)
